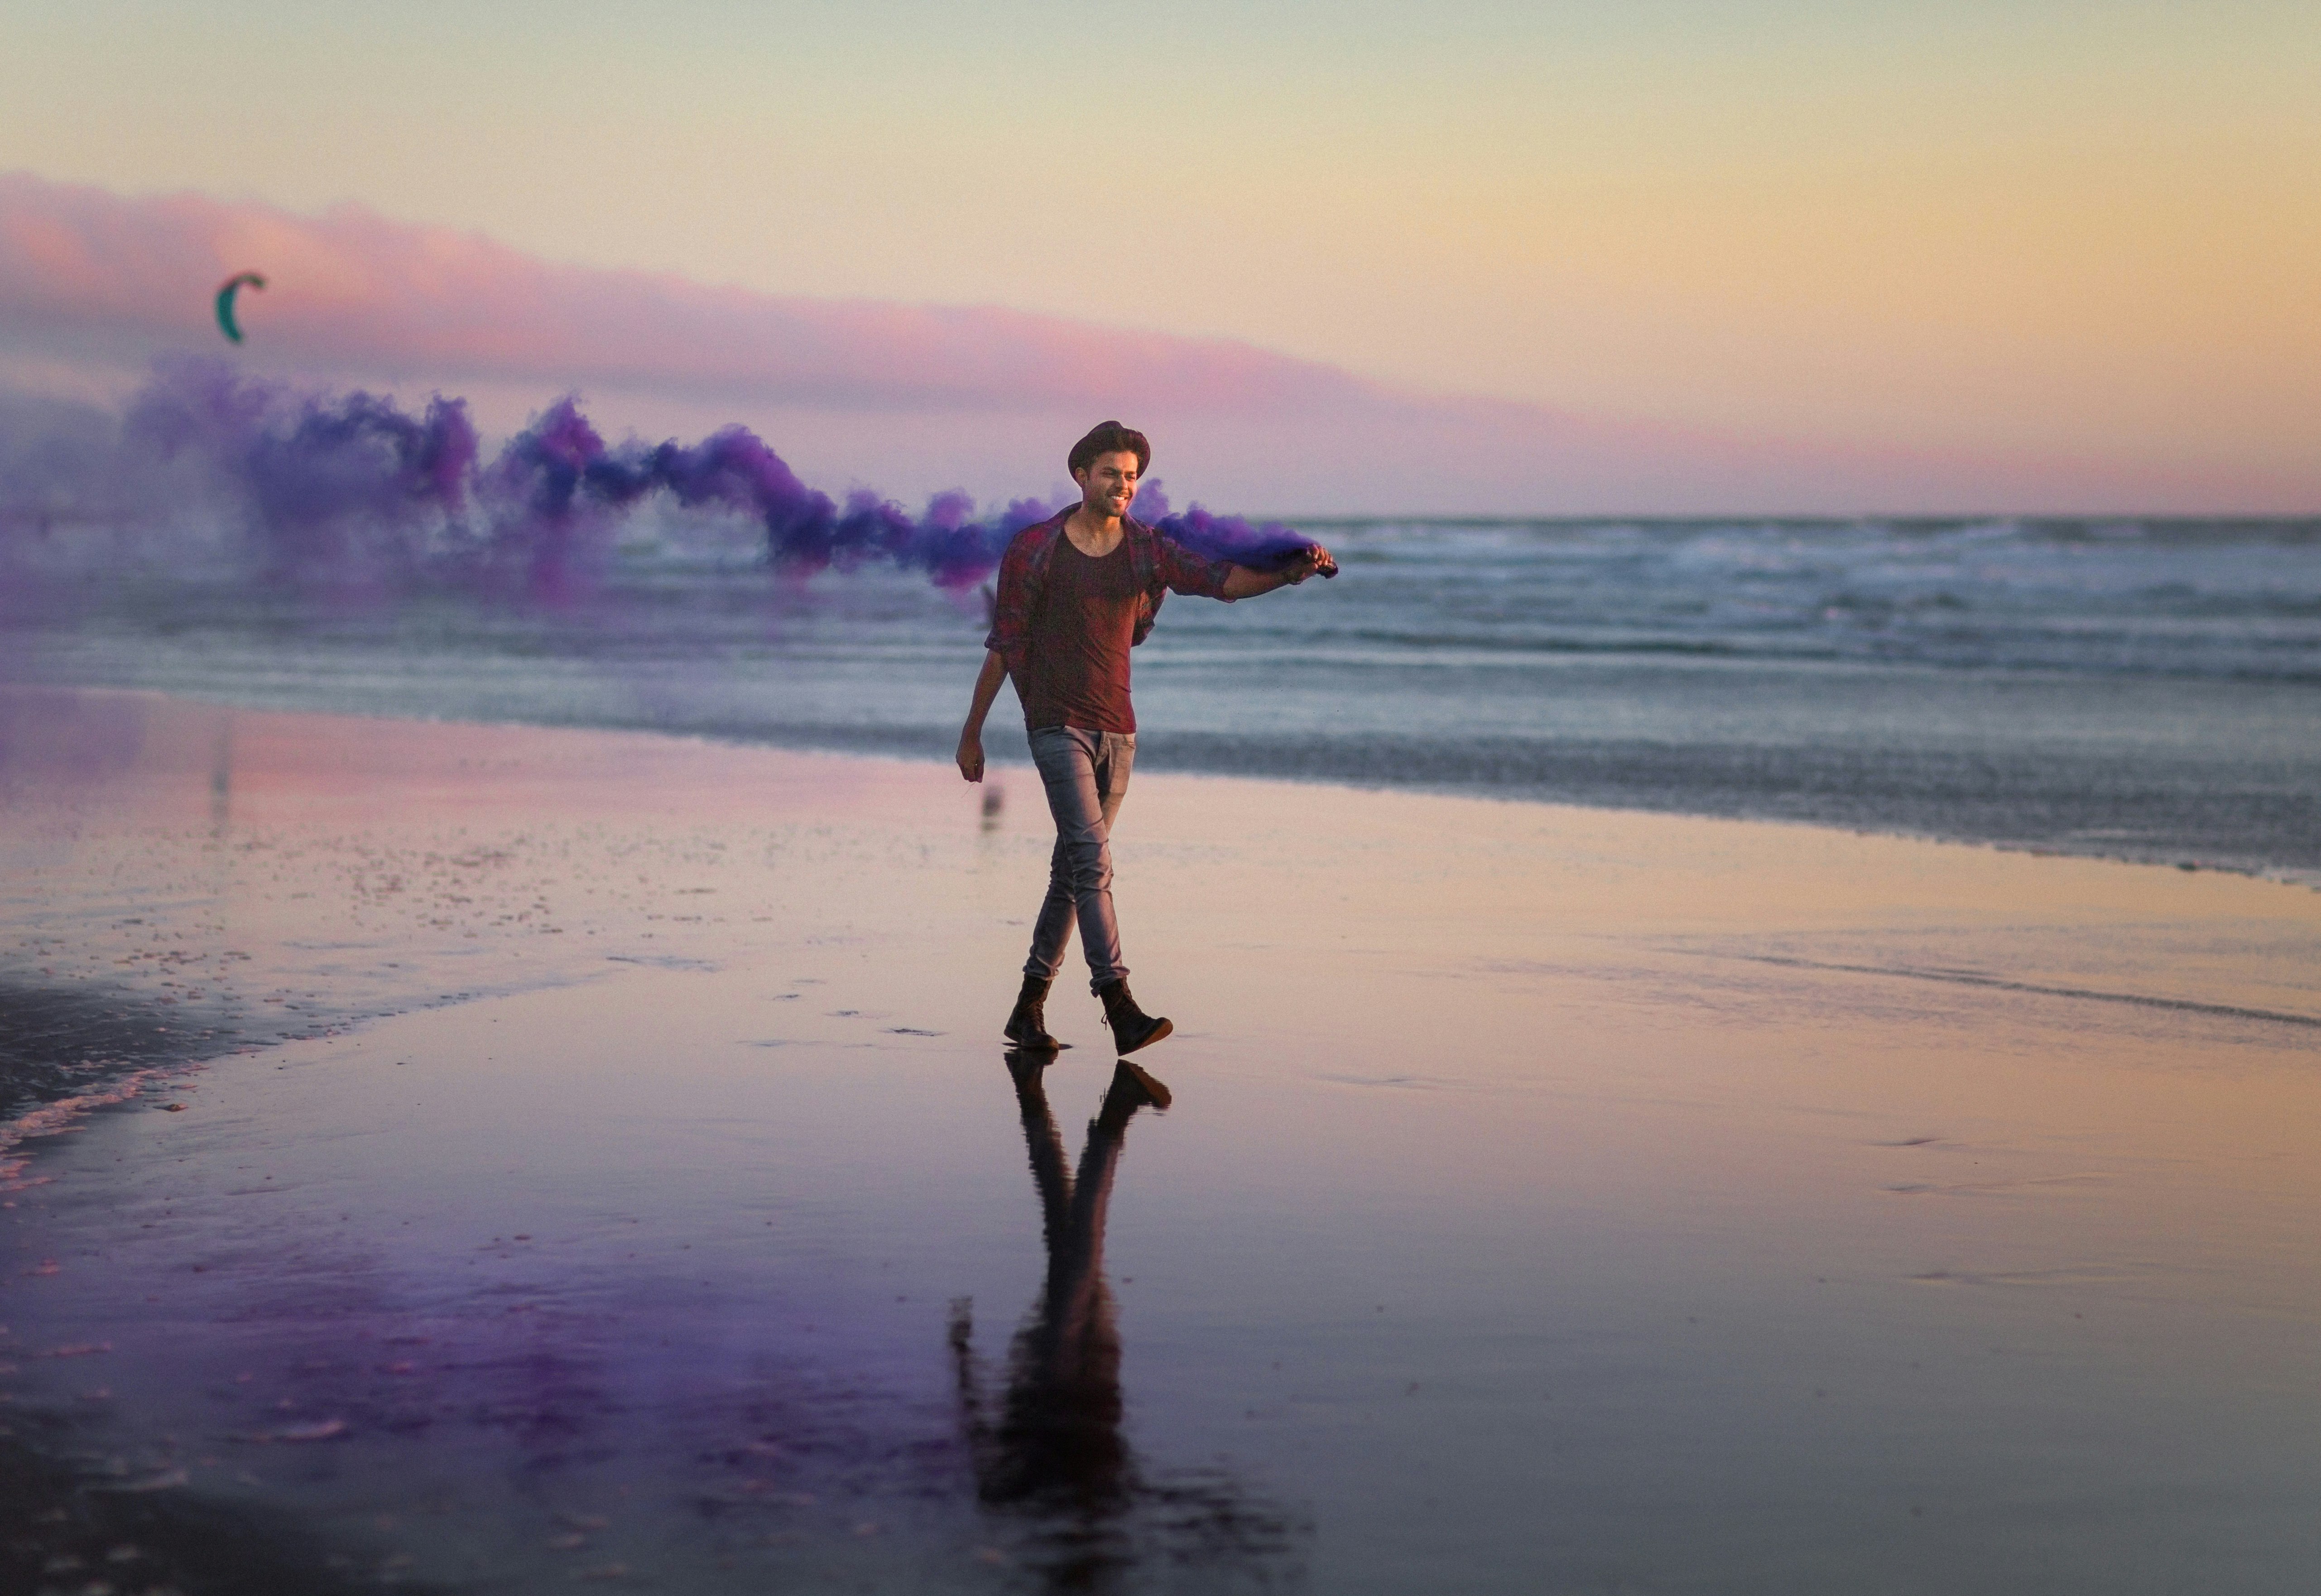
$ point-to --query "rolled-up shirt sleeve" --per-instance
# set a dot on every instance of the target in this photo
(1181, 571)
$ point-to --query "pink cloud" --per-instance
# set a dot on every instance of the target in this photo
(90, 280)
(350, 289)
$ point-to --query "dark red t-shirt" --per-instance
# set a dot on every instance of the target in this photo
(1077, 672)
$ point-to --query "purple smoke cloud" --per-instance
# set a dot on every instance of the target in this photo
(330, 485)
(350, 488)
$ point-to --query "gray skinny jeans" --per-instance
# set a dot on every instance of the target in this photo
(1086, 774)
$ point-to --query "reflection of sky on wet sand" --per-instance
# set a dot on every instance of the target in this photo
(1548, 1200)
(691, 1294)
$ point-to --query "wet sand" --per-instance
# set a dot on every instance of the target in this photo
(605, 1165)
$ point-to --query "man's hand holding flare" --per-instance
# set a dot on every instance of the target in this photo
(1312, 560)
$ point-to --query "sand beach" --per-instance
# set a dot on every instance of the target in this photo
(455, 1157)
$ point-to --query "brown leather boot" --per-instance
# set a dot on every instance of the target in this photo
(1027, 1027)
(1132, 1027)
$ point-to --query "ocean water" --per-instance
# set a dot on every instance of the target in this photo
(2142, 688)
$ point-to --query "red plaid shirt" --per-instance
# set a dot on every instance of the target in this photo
(1162, 566)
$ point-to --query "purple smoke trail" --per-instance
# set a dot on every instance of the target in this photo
(335, 488)
(329, 485)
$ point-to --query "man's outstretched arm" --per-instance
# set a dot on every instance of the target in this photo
(987, 690)
(1241, 582)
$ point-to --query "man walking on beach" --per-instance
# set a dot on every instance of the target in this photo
(1076, 593)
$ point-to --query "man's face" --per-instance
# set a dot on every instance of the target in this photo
(1109, 483)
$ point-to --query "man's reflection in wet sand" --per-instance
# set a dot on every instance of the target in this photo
(1054, 1451)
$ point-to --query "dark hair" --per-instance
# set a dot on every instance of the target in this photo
(1109, 437)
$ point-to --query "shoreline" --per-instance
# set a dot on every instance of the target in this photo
(121, 1070)
(902, 747)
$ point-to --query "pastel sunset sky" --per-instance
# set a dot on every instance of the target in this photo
(1885, 255)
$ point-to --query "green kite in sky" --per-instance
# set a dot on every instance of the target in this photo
(225, 293)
